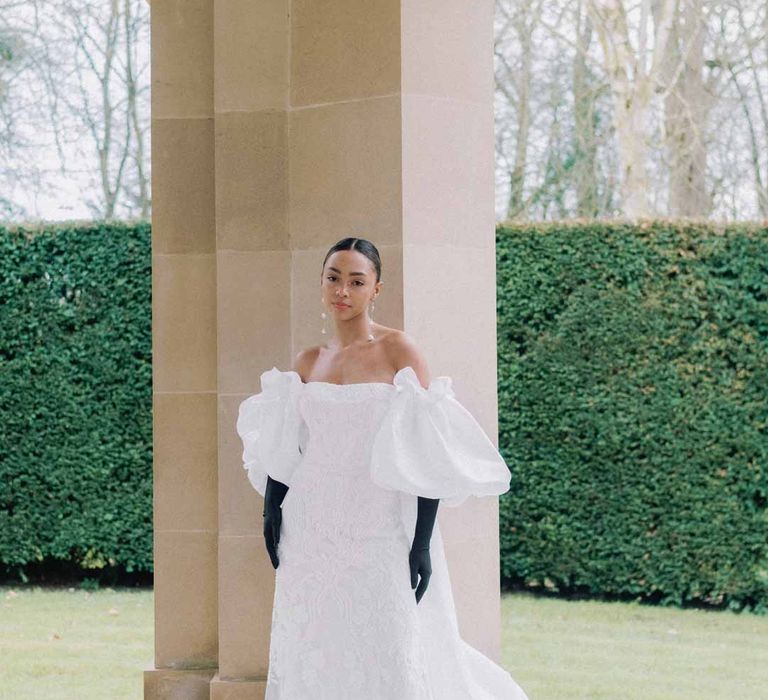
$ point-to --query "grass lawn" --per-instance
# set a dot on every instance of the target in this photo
(70, 644)
(573, 650)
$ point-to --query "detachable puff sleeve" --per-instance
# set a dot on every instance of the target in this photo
(429, 445)
(272, 430)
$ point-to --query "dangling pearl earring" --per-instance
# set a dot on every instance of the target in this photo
(370, 316)
(324, 316)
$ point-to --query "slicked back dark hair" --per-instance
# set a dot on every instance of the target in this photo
(361, 245)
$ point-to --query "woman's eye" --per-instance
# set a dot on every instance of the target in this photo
(332, 278)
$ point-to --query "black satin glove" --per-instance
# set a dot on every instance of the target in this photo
(273, 516)
(419, 559)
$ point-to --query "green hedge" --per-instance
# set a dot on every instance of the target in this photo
(76, 395)
(633, 404)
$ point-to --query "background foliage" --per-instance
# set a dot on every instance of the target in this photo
(76, 395)
(633, 411)
(633, 369)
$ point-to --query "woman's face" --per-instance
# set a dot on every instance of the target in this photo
(349, 279)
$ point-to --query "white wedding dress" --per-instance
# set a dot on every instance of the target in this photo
(345, 622)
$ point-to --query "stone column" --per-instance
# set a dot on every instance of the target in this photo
(449, 256)
(392, 139)
(280, 127)
(256, 320)
(185, 363)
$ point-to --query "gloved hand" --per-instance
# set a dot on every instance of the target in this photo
(273, 516)
(419, 559)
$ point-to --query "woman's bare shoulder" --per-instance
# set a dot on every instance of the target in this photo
(305, 360)
(404, 352)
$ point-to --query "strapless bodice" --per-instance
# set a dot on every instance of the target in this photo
(341, 422)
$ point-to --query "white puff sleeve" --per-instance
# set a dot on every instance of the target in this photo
(272, 430)
(429, 445)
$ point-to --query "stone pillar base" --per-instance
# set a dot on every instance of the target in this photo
(177, 684)
(237, 690)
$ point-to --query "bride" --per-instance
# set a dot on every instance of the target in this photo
(353, 449)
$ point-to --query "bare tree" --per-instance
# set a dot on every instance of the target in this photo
(683, 133)
(138, 186)
(603, 107)
(103, 37)
(87, 66)
(688, 99)
(584, 112)
(633, 78)
(514, 83)
(748, 77)
(23, 116)
(554, 146)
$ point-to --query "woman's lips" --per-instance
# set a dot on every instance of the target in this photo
(341, 306)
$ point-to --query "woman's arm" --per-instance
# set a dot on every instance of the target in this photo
(419, 560)
(425, 521)
(273, 516)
